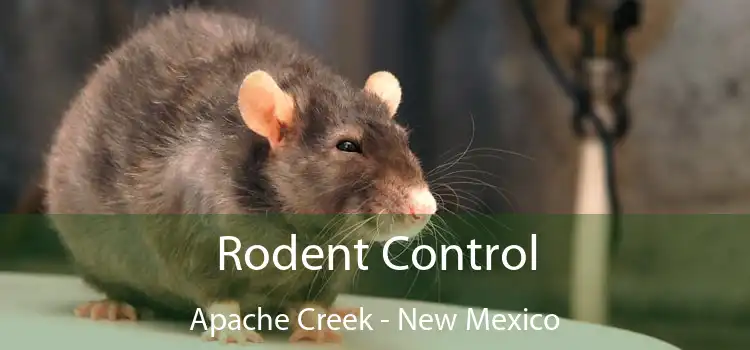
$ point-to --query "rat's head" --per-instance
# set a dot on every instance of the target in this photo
(339, 151)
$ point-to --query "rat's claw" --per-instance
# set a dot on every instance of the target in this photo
(106, 310)
(316, 335)
(227, 336)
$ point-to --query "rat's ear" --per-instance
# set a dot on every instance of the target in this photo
(264, 107)
(384, 85)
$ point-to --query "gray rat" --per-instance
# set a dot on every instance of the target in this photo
(210, 113)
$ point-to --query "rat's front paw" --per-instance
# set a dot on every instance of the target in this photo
(316, 335)
(239, 336)
(310, 327)
(106, 310)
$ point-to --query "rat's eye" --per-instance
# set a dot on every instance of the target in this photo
(348, 146)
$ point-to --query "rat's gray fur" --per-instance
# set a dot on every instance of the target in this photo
(156, 130)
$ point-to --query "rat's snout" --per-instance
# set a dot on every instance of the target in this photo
(421, 203)
(414, 212)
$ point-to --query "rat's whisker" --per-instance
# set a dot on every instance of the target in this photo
(462, 154)
(472, 199)
(420, 241)
(462, 219)
(344, 237)
(463, 162)
(367, 252)
(476, 182)
(442, 233)
(449, 188)
(339, 219)
(437, 271)
(466, 171)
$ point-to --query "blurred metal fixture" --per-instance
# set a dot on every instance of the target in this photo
(602, 79)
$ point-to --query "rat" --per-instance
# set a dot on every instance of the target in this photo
(201, 113)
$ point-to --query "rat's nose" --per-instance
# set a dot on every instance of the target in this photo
(421, 203)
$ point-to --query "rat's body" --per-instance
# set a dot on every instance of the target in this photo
(203, 113)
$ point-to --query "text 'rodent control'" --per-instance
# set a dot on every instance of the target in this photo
(313, 257)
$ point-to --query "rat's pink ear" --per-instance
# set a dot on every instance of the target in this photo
(264, 107)
(384, 85)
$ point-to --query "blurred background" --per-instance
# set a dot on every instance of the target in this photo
(471, 76)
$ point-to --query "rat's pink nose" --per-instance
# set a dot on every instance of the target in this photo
(422, 203)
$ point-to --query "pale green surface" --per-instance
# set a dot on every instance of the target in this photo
(36, 311)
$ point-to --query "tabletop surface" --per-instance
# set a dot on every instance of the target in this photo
(36, 312)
